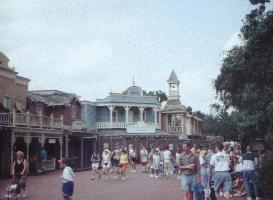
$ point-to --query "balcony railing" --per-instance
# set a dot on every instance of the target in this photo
(30, 120)
(5, 118)
(112, 125)
(175, 129)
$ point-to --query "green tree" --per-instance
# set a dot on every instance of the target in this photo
(245, 81)
(161, 96)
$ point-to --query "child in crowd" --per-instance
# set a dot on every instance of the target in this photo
(67, 179)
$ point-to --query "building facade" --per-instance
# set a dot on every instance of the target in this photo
(20, 129)
(133, 118)
(77, 139)
(175, 117)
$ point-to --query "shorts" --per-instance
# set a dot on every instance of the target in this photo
(95, 166)
(156, 166)
(123, 165)
(106, 165)
(68, 189)
(188, 182)
(115, 163)
(222, 179)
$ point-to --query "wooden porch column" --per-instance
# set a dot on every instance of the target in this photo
(81, 152)
(66, 145)
(11, 149)
(13, 117)
(155, 115)
(141, 109)
(61, 147)
(111, 108)
(127, 108)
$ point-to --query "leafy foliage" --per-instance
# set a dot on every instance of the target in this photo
(245, 81)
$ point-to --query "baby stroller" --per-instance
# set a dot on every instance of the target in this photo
(12, 192)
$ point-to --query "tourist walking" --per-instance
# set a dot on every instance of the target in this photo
(204, 159)
(177, 157)
(116, 162)
(106, 162)
(123, 164)
(167, 164)
(144, 158)
(150, 163)
(156, 163)
(133, 158)
(19, 172)
(95, 160)
(221, 163)
(249, 162)
(189, 165)
(67, 179)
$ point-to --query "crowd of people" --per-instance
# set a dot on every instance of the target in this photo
(203, 172)
(222, 168)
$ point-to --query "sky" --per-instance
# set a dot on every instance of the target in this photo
(93, 47)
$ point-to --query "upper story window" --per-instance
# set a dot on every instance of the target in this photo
(114, 116)
(7, 102)
(73, 112)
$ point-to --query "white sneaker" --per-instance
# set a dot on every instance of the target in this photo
(123, 179)
(24, 194)
(249, 198)
(151, 175)
(156, 176)
(221, 194)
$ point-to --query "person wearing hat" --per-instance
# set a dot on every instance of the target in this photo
(67, 179)
(19, 172)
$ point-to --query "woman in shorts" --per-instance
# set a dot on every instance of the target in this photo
(123, 163)
(95, 159)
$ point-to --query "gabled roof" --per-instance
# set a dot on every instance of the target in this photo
(51, 97)
(122, 98)
(173, 78)
(174, 105)
(133, 94)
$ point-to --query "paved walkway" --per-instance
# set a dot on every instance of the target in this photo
(138, 186)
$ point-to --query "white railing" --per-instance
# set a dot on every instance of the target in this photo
(109, 125)
(5, 118)
(105, 125)
(175, 129)
(30, 120)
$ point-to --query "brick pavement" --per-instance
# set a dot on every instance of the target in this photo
(138, 186)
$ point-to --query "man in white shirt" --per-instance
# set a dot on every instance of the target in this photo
(221, 163)
(67, 179)
(106, 162)
(167, 156)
